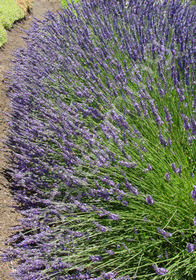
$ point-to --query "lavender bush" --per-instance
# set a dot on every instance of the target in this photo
(102, 134)
(64, 2)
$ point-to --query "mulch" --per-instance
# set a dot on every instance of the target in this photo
(8, 216)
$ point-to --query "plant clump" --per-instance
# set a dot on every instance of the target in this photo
(102, 134)
(11, 11)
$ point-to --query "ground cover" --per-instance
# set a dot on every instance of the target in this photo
(11, 11)
(103, 139)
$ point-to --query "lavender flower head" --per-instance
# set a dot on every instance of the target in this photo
(193, 193)
(149, 199)
(190, 248)
(160, 270)
(167, 176)
(95, 258)
(168, 116)
(164, 233)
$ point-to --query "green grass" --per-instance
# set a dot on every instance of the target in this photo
(9, 13)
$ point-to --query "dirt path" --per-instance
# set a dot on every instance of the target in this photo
(8, 217)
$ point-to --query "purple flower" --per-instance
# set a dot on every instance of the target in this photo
(155, 113)
(128, 164)
(179, 171)
(149, 200)
(194, 220)
(159, 271)
(109, 252)
(193, 193)
(161, 91)
(167, 176)
(149, 167)
(145, 219)
(144, 107)
(100, 227)
(131, 188)
(163, 141)
(108, 275)
(125, 203)
(134, 190)
(168, 116)
(95, 258)
(169, 141)
(174, 167)
(187, 125)
(194, 103)
(109, 214)
(190, 247)
(193, 125)
(164, 233)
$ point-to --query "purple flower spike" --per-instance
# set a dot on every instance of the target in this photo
(187, 125)
(174, 167)
(194, 220)
(100, 227)
(159, 270)
(95, 258)
(167, 176)
(168, 116)
(179, 171)
(193, 125)
(108, 275)
(193, 193)
(134, 191)
(145, 219)
(149, 167)
(149, 199)
(164, 233)
(163, 141)
(190, 247)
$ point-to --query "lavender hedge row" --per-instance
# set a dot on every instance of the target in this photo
(102, 134)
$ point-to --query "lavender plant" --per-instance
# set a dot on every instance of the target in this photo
(64, 2)
(102, 134)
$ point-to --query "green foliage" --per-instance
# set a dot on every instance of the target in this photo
(64, 2)
(9, 13)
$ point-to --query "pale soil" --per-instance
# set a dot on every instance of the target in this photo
(25, 5)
